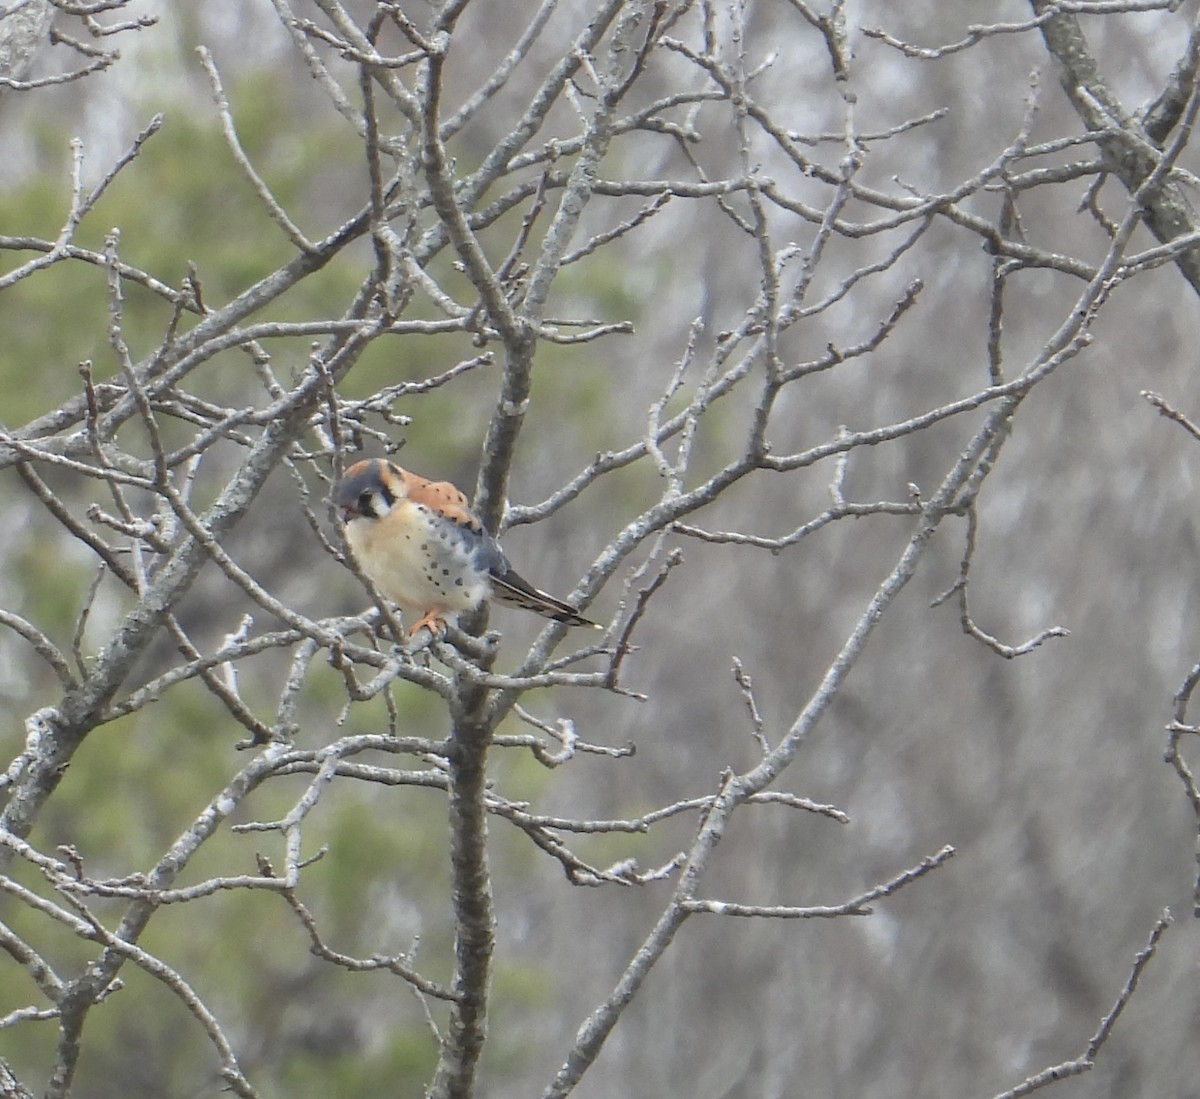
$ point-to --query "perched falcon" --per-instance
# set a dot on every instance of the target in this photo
(419, 543)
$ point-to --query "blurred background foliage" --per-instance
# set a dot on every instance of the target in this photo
(1045, 772)
(308, 1028)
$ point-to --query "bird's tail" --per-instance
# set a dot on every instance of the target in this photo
(508, 587)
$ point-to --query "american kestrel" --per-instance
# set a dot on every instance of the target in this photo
(421, 546)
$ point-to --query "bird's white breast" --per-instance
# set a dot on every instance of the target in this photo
(419, 560)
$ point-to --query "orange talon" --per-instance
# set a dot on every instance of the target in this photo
(433, 622)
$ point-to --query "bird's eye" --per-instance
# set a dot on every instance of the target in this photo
(364, 504)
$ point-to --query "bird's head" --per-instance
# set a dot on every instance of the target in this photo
(369, 490)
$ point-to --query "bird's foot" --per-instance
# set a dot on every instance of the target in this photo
(425, 631)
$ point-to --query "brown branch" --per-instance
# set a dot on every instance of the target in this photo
(1087, 1060)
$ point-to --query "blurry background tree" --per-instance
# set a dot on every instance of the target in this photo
(816, 349)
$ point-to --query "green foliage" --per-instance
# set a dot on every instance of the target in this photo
(137, 782)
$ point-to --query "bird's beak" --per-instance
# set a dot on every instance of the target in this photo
(344, 511)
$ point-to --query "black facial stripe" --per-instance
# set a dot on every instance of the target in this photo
(362, 491)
